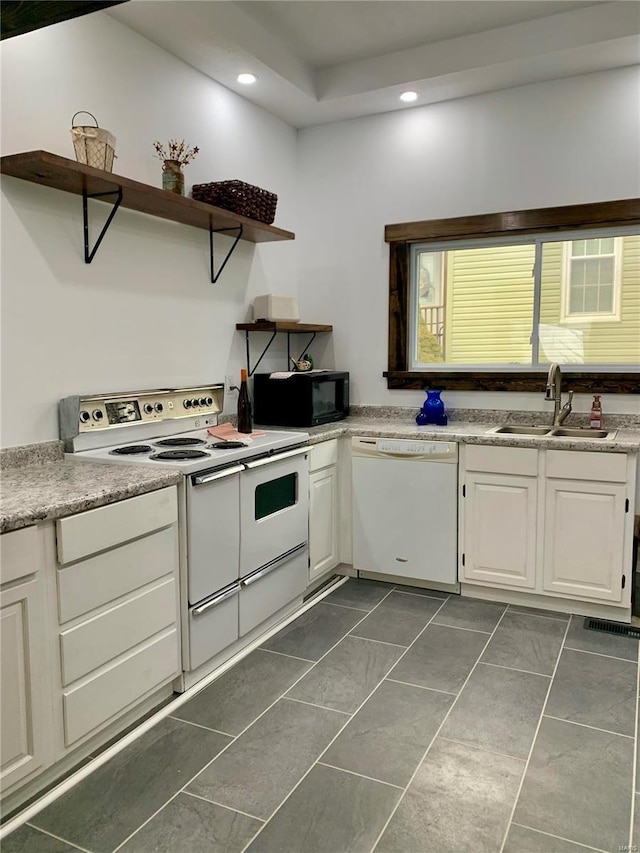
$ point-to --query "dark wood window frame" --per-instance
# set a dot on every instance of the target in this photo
(520, 222)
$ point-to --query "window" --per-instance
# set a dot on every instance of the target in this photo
(592, 277)
(488, 302)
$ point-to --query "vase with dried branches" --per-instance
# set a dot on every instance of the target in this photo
(176, 155)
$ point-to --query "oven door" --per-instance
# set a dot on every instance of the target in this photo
(213, 531)
(274, 507)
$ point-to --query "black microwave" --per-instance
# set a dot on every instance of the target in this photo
(301, 399)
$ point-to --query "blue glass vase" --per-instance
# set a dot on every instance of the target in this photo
(434, 408)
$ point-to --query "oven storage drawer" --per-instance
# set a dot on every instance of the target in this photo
(98, 640)
(274, 508)
(109, 692)
(269, 589)
(213, 625)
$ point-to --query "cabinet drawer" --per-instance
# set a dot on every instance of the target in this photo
(98, 529)
(103, 638)
(323, 454)
(96, 581)
(93, 703)
(19, 554)
(262, 595)
(585, 465)
(502, 460)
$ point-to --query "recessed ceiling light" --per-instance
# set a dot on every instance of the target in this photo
(247, 79)
(409, 96)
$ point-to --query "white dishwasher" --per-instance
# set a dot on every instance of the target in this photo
(405, 514)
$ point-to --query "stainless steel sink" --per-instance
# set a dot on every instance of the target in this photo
(522, 430)
(582, 432)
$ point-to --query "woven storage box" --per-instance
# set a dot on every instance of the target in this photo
(238, 197)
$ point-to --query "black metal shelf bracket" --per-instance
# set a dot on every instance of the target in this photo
(311, 340)
(90, 253)
(216, 275)
(252, 370)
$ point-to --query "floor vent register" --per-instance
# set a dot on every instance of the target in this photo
(612, 628)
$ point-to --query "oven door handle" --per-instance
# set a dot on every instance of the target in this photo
(218, 599)
(217, 475)
(267, 460)
(273, 565)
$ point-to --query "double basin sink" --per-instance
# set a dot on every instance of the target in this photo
(555, 432)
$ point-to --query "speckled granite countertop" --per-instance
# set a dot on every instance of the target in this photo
(38, 483)
(401, 424)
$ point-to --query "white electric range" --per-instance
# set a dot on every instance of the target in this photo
(243, 508)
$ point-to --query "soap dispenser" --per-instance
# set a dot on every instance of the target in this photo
(596, 413)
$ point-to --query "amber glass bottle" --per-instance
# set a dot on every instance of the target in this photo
(245, 421)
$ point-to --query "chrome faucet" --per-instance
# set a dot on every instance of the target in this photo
(554, 392)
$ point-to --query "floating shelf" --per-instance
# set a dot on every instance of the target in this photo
(279, 326)
(51, 170)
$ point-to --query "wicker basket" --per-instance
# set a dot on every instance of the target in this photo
(238, 197)
(93, 146)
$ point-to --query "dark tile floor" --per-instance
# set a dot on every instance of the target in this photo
(385, 718)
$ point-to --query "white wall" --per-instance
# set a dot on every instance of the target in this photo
(144, 314)
(569, 141)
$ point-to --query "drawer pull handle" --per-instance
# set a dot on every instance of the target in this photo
(273, 565)
(217, 475)
(198, 611)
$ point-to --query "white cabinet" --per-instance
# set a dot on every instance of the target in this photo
(323, 508)
(586, 513)
(25, 736)
(500, 529)
(552, 522)
(117, 590)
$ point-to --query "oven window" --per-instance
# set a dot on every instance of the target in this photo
(275, 495)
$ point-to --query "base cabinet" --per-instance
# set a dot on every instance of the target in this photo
(25, 729)
(551, 522)
(89, 626)
(584, 535)
(117, 591)
(500, 529)
(323, 508)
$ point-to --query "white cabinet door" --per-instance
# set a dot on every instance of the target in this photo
(584, 539)
(323, 521)
(22, 724)
(500, 516)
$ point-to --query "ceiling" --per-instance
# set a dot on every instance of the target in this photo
(319, 61)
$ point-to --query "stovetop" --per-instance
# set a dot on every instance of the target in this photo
(193, 451)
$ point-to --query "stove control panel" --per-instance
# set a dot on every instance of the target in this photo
(105, 411)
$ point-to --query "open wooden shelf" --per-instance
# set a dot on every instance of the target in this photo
(51, 170)
(281, 326)
(275, 326)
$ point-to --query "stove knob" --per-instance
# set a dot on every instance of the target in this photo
(97, 414)
(148, 409)
(203, 401)
(158, 407)
(209, 401)
(84, 416)
(187, 404)
(195, 402)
